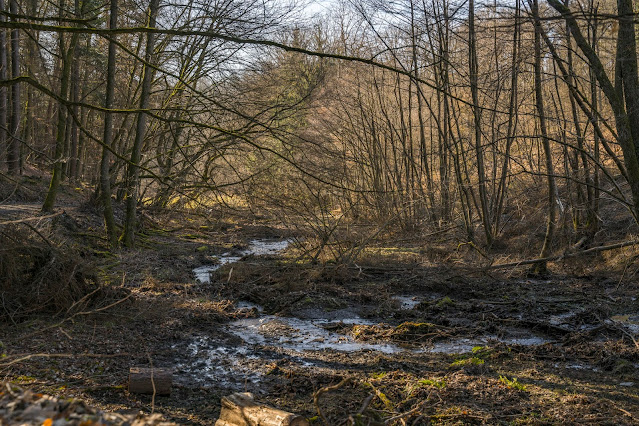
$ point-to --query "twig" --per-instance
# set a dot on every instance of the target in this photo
(408, 413)
(152, 382)
(320, 392)
(627, 413)
(366, 403)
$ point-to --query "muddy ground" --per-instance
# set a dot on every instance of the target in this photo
(419, 341)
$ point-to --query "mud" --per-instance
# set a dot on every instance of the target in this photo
(456, 349)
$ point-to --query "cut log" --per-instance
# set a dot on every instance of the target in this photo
(240, 409)
(150, 380)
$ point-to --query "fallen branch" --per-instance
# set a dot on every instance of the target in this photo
(409, 413)
(45, 355)
(29, 219)
(320, 392)
(562, 256)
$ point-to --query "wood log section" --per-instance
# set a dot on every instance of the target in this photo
(240, 409)
(145, 380)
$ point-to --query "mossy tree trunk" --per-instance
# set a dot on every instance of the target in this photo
(133, 169)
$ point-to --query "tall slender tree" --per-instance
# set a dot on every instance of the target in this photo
(545, 141)
(13, 151)
(105, 162)
(133, 168)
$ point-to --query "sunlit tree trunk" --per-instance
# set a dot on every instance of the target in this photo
(502, 189)
(550, 179)
(479, 151)
(626, 68)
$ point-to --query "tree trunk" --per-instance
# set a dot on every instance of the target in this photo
(13, 151)
(474, 89)
(622, 121)
(539, 104)
(133, 169)
(105, 162)
(156, 381)
(240, 409)
(58, 166)
(4, 96)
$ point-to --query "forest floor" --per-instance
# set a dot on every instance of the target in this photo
(425, 341)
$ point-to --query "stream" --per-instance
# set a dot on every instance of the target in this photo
(256, 343)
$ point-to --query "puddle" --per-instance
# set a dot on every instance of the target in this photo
(227, 367)
(347, 316)
(256, 248)
(249, 306)
(629, 322)
(267, 338)
(407, 303)
(562, 319)
(310, 334)
(465, 345)
(582, 366)
(301, 335)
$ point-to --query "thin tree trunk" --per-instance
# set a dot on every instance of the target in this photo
(539, 103)
(58, 166)
(4, 95)
(502, 189)
(474, 89)
(13, 151)
(105, 162)
(75, 95)
(622, 121)
(594, 209)
(133, 170)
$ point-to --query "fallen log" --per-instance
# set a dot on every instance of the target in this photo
(240, 409)
(562, 256)
(155, 381)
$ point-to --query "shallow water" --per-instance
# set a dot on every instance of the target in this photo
(301, 335)
(407, 303)
(256, 248)
(207, 362)
(630, 322)
(268, 338)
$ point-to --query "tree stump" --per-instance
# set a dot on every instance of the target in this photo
(150, 380)
(240, 409)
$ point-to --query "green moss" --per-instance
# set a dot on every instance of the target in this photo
(512, 384)
(468, 361)
(444, 302)
(410, 327)
(379, 375)
(21, 380)
(439, 384)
